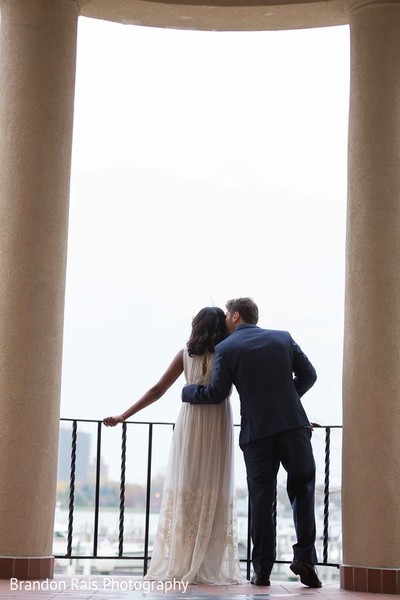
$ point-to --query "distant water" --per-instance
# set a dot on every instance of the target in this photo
(135, 526)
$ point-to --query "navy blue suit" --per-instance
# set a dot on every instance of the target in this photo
(270, 373)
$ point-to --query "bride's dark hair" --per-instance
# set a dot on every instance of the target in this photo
(208, 329)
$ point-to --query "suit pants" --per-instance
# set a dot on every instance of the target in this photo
(263, 457)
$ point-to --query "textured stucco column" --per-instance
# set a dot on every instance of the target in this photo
(371, 412)
(37, 79)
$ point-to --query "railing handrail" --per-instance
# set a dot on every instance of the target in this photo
(172, 423)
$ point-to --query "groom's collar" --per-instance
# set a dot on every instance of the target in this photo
(244, 326)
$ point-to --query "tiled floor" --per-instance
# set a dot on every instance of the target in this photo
(124, 588)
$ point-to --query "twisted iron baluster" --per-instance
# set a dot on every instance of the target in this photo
(248, 555)
(326, 494)
(72, 488)
(97, 491)
(275, 519)
(148, 492)
(122, 492)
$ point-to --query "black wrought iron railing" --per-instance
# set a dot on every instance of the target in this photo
(117, 553)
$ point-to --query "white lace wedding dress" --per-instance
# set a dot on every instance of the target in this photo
(196, 539)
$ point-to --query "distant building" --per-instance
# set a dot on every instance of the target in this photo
(104, 470)
(82, 470)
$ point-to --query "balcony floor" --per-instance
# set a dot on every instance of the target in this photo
(124, 588)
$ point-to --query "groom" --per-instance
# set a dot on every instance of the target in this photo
(270, 373)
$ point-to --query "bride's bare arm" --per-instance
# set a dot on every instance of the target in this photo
(154, 393)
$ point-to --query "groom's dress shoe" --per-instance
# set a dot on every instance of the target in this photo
(307, 573)
(260, 580)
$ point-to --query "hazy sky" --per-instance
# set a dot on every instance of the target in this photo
(206, 166)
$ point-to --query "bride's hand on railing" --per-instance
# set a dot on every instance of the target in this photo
(113, 421)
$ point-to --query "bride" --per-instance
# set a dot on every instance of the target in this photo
(196, 539)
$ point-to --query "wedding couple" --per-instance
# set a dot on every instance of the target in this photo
(196, 538)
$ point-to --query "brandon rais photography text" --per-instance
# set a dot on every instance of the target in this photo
(106, 583)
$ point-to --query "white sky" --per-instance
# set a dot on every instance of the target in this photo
(206, 166)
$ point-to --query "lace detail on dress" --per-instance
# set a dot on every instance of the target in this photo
(196, 539)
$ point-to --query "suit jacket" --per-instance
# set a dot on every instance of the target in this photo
(270, 373)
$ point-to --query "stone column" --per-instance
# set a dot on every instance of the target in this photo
(37, 78)
(371, 379)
